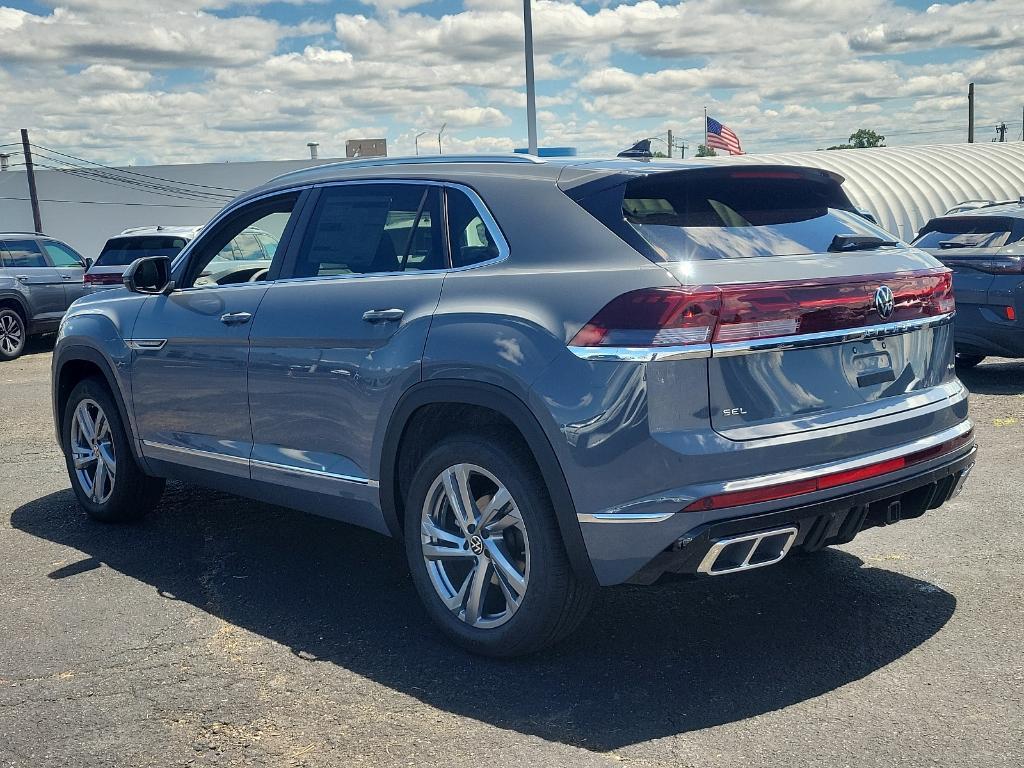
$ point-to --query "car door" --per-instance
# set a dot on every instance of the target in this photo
(189, 384)
(70, 265)
(40, 282)
(340, 336)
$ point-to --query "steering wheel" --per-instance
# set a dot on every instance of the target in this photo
(259, 274)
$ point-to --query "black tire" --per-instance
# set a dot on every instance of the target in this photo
(966, 362)
(133, 493)
(13, 334)
(555, 600)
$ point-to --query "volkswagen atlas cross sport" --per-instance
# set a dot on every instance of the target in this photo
(544, 376)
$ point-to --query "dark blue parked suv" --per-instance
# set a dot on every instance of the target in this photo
(544, 376)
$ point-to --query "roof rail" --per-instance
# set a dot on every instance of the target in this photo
(22, 232)
(371, 162)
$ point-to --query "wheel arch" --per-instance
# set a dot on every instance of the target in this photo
(510, 409)
(17, 301)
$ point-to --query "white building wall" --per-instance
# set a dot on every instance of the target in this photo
(84, 212)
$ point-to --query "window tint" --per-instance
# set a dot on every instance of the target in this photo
(121, 251)
(372, 228)
(62, 256)
(740, 214)
(23, 253)
(269, 245)
(231, 254)
(966, 232)
(471, 242)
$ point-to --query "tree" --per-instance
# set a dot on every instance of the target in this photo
(703, 150)
(862, 138)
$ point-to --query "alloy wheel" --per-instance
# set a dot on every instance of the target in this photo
(475, 546)
(12, 334)
(92, 449)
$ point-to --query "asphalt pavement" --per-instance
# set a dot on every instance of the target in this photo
(221, 631)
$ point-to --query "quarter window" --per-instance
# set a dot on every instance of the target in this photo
(471, 241)
(372, 228)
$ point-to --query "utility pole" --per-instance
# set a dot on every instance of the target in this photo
(37, 220)
(670, 143)
(416, 140)
(531, 91)
(1001, 130)
(970, 114)
(439, 133)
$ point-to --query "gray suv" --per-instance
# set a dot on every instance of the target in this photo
(543, 376)
(39, 278)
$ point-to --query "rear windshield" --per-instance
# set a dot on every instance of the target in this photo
(965, 232)
(687, 216)
(121, 251)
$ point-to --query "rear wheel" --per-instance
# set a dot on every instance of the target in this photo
(104, 476)
(966, 362)
(485, 551)
(12, 334)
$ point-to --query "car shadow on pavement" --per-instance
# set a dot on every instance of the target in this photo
(648, 662)
(1005, 377)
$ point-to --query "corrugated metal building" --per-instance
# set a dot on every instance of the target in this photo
(904, 187)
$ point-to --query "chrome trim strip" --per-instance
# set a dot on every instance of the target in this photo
(624, 517)
(196, 452)
(310, 472)
(707, 565)
(141, 344)
(804, 340)
(861, 461)
(642, 354)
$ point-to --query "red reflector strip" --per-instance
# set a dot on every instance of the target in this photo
(1011, 313)
(104, 278)
(831, 480)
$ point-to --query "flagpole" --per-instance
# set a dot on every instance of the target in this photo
(705, 127)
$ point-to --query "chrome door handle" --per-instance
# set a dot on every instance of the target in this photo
(67, 277)
(383, 315)
(236, 318)
(22, 278)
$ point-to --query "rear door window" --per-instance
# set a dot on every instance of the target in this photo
(966, 232)
(23, 253)
(121, 251)
(742, 213)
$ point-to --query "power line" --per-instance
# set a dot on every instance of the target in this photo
(114, 181)
(113, 202)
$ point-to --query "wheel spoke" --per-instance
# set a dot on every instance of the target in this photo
(86, 425)
(513, 518)
(455, 602)
(506, 570)
(106, 453)
(83, 457)
(101, 426)
(456, 488)
(98, 482)
(477, 591)
(492, 510)
(442, 545)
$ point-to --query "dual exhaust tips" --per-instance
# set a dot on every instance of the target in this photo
(742, 553)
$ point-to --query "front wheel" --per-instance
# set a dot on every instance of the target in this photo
(485, 551)
(104, 476)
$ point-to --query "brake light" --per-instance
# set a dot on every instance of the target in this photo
(826, 481)
(103, 278)
(655, 317)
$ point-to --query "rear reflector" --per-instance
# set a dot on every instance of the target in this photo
(656, 317)
(826, 481)
(1011, 313)
(103, 278)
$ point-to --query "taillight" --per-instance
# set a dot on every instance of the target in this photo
(103, 278)
(826, 481)
(1001, 265)
(657, 317)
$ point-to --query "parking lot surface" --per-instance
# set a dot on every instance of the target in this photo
(222, 631)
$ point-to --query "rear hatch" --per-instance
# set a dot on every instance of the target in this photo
(119, 252)
(810, 316)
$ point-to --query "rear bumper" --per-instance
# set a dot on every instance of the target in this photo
(834, 521)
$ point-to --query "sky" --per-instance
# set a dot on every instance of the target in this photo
(144, 81)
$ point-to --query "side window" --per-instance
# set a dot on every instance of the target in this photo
(62, 256)
(471, 241)
(219, 259)
(372, 228)
(23, 253)
(269, 244)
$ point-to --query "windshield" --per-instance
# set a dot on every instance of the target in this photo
(966, 232)
(121, 251)
(741, 214)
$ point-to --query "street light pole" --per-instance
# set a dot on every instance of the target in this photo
(416, 140)
(443, 126)
(531, 91)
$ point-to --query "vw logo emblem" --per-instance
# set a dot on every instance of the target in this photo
(885, 302)
(476, 545)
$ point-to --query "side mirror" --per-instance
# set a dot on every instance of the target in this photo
(151, 274)
(89, 261)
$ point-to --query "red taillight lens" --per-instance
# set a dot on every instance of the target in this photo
(826, 481)
(104, 278)
(654, 317)
(698, 315)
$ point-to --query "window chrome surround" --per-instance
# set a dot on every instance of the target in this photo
(225, 457)
(774, 344)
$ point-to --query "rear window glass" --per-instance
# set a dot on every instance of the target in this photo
(121, 251)
(965, 232)
(740, 214)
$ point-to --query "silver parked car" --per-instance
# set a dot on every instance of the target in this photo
(39, 278)
(542, 376)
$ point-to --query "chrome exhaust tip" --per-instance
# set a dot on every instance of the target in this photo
(742, 553)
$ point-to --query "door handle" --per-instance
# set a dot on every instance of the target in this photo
(67, 277)
(236, 318)
(383, 315)
(22, 278)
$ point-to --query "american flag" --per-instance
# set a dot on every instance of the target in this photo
(721, 137)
